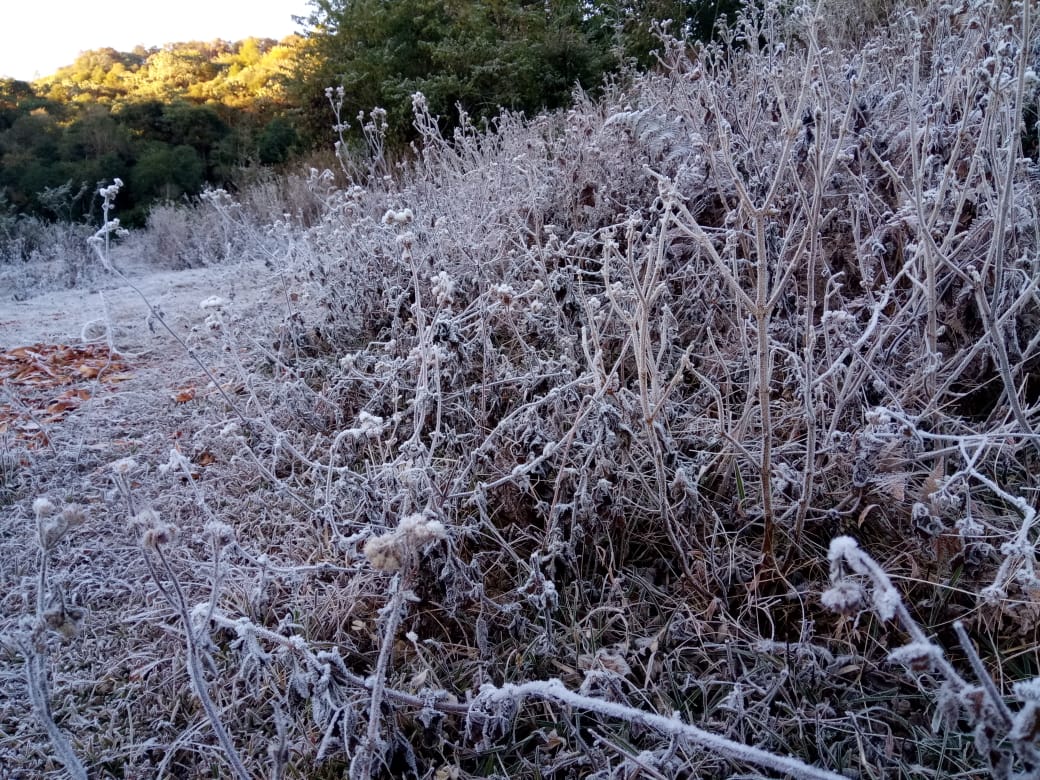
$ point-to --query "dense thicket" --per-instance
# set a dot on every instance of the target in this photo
(545, 455)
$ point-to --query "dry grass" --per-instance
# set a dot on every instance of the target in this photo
(538, 473)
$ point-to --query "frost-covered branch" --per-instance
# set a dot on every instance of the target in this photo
(492, 696)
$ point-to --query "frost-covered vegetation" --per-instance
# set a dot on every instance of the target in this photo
(690, 432)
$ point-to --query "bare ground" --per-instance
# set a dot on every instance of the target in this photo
(71, 316)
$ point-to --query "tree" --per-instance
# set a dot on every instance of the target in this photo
(93, 135)
(166, 172)
(633, 22)
(151, 116)
(480, 55)
(36, 134)
(197, 126)
(13, 96)
(145, 119)
(276, 142)
(520, 54)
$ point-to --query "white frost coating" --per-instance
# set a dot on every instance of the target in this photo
(842, 547)
(370, 425)
(918, 656)
(1028, 690)
(43, 507)
(886, 601)
(845, 550)
(176, 462)
(556, 691)
(844, 597)
(214, 302)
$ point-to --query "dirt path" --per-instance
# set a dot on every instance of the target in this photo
(75, 316)
(70, 408)
(65, 354)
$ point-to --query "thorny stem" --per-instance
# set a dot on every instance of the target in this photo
(766, 295)
(552, 690)
(36, 681)
(821, 171)
(41, 580)
(808, 353)
(762, 317)
(983, 676)
(34, 648)
(647, 287)
(1022, 547)
(932, 323)
(848, 551)
(297, 646)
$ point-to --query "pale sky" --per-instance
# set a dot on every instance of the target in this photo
(39, 36)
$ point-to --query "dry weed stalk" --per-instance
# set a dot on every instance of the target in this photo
(156, 536)
(994, 726)
(53, 617)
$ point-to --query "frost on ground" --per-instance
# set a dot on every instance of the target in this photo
(691, 432)
(111, 309)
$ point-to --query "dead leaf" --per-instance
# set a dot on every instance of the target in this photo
(37, 370)
(61, 406)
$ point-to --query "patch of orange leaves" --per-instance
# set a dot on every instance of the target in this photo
(43, 383)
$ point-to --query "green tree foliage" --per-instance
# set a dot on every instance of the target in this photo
(169, 119)
(94, 135)
(167, 172)
(13, 94)
(634, 22)
(235, 75)
(482, 56)
(277, 141)
(27, 147)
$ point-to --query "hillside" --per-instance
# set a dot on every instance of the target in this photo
(166, 120)
(687, 432)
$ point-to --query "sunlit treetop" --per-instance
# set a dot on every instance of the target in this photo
(235, 74)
